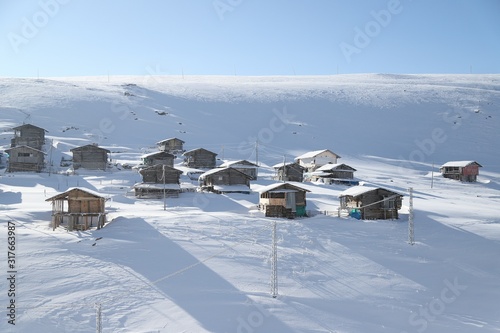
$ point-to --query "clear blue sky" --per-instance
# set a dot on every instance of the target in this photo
(248, 37)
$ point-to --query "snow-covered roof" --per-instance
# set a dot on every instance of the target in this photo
(169, 139)
(232, 188)
(217, 170)
(280, 165)
(239, 164)
(314, 153)
(459, 164)
(337, 166)
(155, 153)
(274, 188)
(358, 190)
(197, 149)
(86, 190)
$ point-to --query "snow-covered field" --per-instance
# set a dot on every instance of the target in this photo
(203, 264)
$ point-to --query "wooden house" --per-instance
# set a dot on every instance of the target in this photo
(371, 203)
(79, 208)
(283, 200)
(200, 158)
(315, 159)
(158, 181)
(25, 158)
(158, 157)
(334, 174)
(28, 135)
(244, 166)
(466, 171)
(171, 145)
(225, 180)
(90, 157)
(289, 172)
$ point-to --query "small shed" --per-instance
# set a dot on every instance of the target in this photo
(199, 158)
(292, 172)
(334, 174)
(28, 135)
(244, 166)
(466, 171)
(171, 145)
(158, 157)
(314, 159)
(80, 208)
(25, 158)
(225, 180)
(283, 200)
(158, 181)
(90, 157)
(371, 203)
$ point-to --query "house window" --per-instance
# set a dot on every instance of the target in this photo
(388, 204)
(221, 177)
(24, 154)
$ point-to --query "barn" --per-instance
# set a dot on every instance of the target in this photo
(244, 166)
(314, 159)
(158, 157)
(371, 203)
(25, 158)
(90, 157)
(200, 158)
(465, 171)
(283, 200)
(292, 172)
(225, 180)
(79, 208)
(334, 174)
(158, 181)
(28, 135)
(171, 145)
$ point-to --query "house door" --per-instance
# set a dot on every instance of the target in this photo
(290, 201)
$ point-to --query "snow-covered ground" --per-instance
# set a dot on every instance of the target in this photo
(203, 264)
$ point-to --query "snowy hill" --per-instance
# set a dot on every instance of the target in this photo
(203, 264)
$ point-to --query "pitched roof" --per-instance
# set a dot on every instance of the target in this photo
(189, 152)
(160, 166)
(91, 146)
(217, 170)
(276, 188)
(169, 139)
(239, 164)
(314, 153)
(280, 165)
(359, 190)
(157, 153)
(71, 189)
(338, 166)
(460, 164)
(29, 125)
(24, 146)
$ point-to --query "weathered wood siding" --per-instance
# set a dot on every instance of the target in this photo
(25, 158)
(160, 158)
(28, 135)
(90, 157)
(468, 173)
(172, 145)
(200, 158)
(291, 172)
(154, 174)
(379, 211)
(227, 176)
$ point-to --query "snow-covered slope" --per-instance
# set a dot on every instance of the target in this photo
(203, 265)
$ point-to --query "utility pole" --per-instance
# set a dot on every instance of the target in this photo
(283, 175)
(164, 191)
(274, 264)
(98, 318)
(411, 231)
